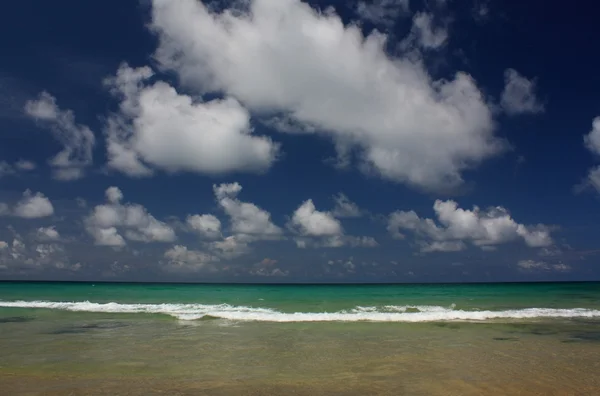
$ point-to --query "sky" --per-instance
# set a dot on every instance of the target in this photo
(293, 141)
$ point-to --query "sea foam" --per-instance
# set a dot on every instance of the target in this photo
(388, 313)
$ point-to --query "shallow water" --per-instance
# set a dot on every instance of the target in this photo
(58, 352)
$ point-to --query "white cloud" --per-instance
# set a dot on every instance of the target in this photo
(158, 127)
(181, 259)
(121, 156)
(269, 272)
(482, 228)
(267, 267)
(226, 190)
(518, 96)
(308, 221)
(106, 236)
(592, 143)
(384, 12)
(77, 140)
(346, 265)
(592, 139)
(230, 247)
(290, 59)
(33, 206)
(68, 173)
(535, 236)
(363, 241)
(321, 229)
(481, 10)
(532, 265)
(7, 169)
(105, 221)
(207, 226)
(47, 234)
(592, 179)
(425, 34)
(247, 221)
(21, 256)
(114, 195)
(443, 246)
(25, 165)
(560, 267)
(551, 251)
(344, 207)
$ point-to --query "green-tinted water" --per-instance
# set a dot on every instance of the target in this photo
(318, 298)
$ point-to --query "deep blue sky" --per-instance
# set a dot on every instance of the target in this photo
(68, 48)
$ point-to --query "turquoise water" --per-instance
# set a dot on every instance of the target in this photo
(291, 303)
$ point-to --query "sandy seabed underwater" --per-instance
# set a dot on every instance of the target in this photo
(58, 339)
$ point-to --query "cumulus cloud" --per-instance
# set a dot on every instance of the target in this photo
(592, 139)
(321, 229)
(77, 140)
(247, 221)
(230, 247)
(113, 194)
(157, 127)
(47, 234)
(33, 206)
(106, 222)
(344, 207)
(181, 259)
(592, 143)
(248, 224)
(308, 221)
(108, 236)
(284, 58)
(385, 12)
(21, 256)
(424, 34)
(491, 227)
(592, 179)
(518, 96)
(227, 190)
(207, 226)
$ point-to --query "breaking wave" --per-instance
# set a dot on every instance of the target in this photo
(388, 313)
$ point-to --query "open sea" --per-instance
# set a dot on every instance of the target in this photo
(189, 339)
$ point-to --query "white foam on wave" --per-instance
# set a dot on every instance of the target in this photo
(388, 313)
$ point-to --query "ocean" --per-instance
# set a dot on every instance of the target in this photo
(437, 339)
